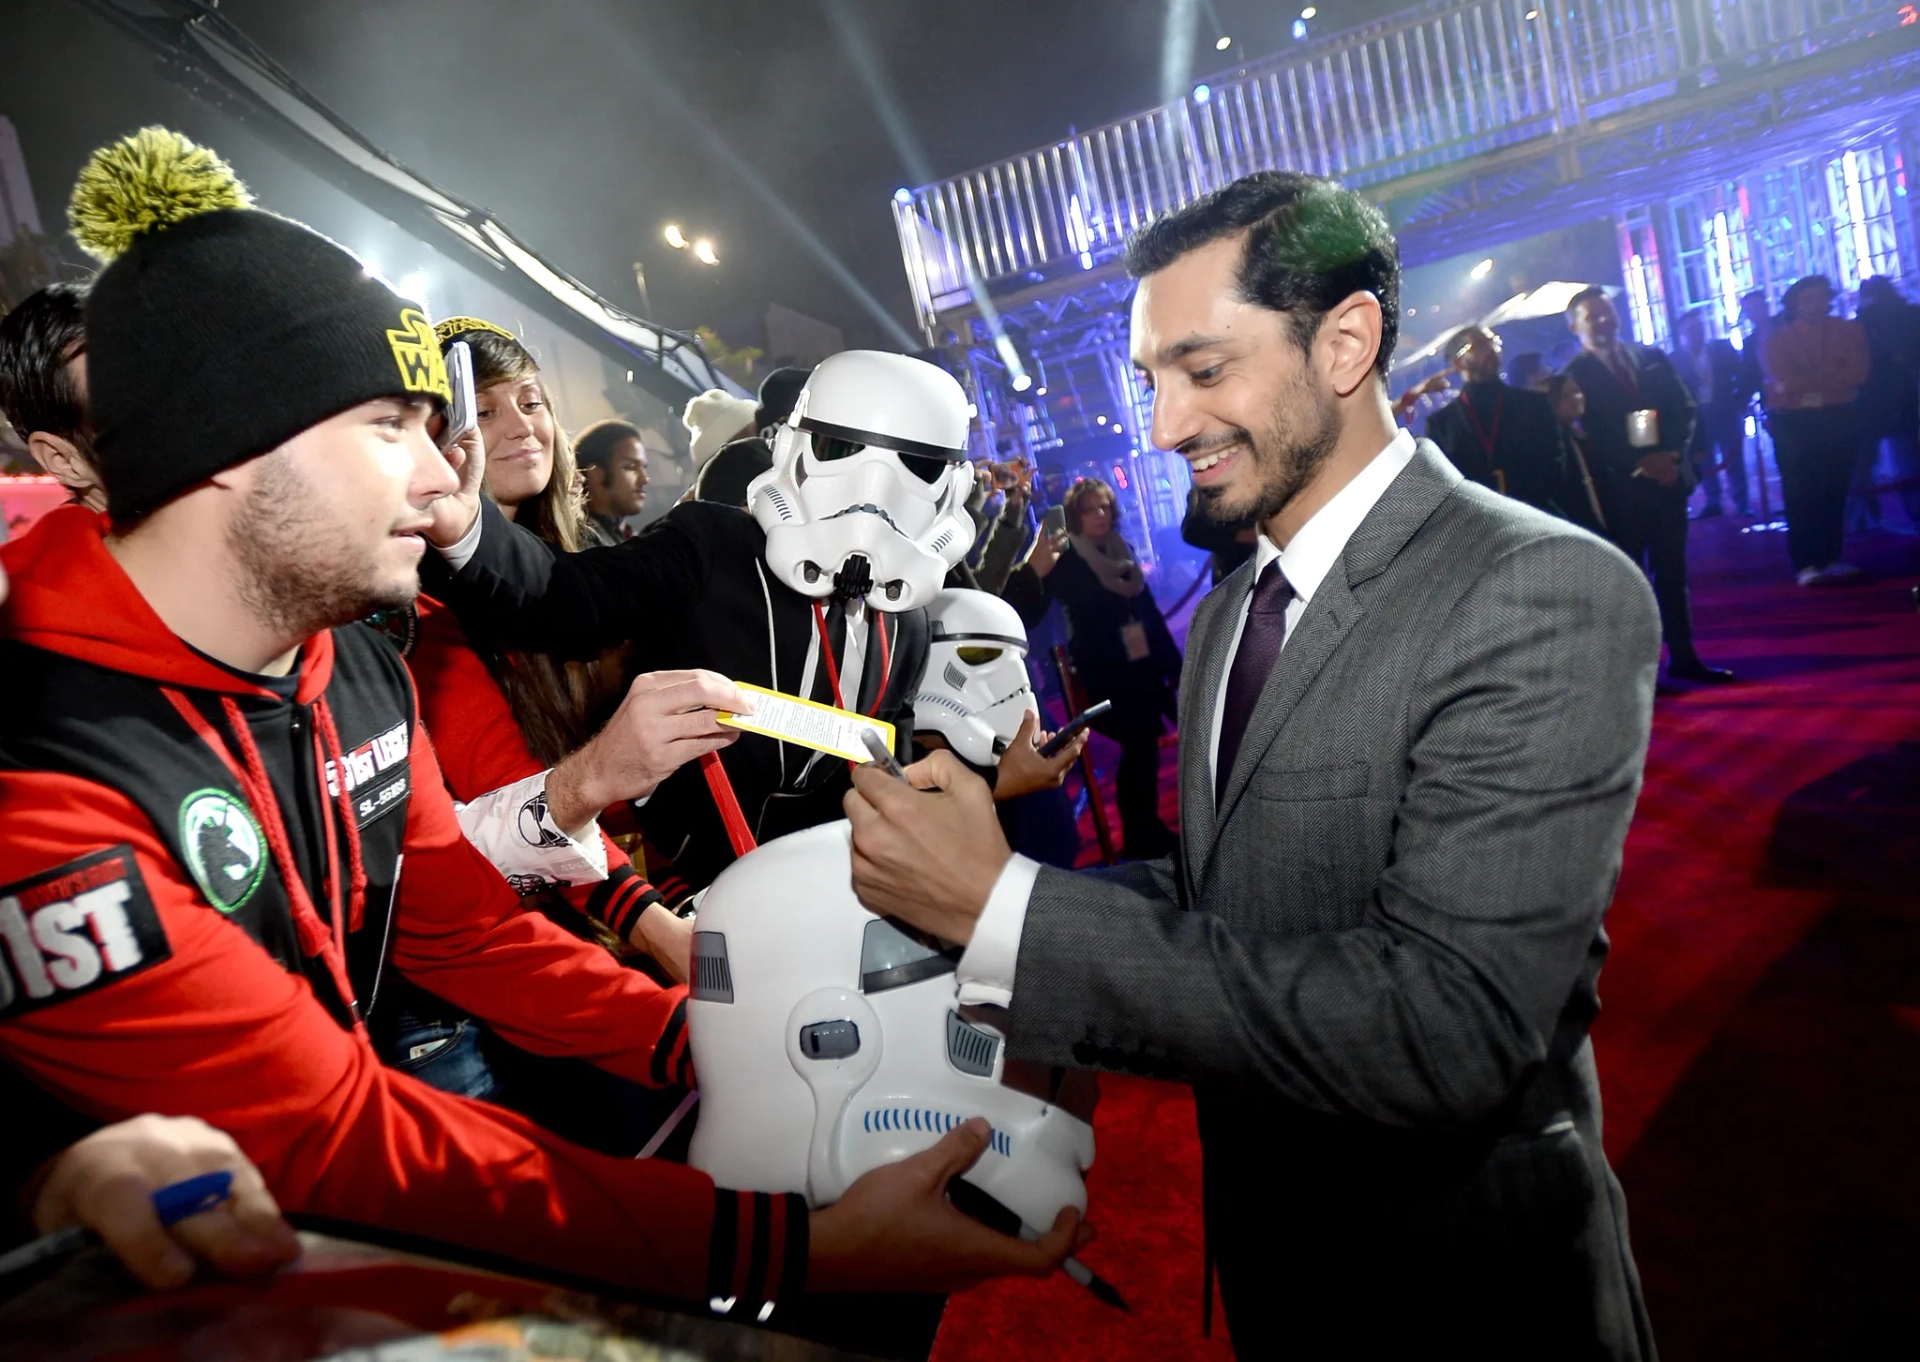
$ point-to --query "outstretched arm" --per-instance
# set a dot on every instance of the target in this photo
(514, 590)
(1532, 724)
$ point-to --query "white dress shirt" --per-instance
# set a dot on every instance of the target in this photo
(986, 970)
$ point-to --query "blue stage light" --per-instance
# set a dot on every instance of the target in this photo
(1201, 94)
(903, 196)
(1299, 30)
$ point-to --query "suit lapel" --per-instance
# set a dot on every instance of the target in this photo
(1330, 616)
(1206, 672)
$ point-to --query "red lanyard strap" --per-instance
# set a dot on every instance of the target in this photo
(728, 803)
(257, 789)
(833, 666)
(1488, 439)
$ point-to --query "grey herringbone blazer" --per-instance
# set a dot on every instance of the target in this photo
(1375, 959)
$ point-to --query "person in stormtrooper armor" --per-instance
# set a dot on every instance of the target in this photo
(845, 542)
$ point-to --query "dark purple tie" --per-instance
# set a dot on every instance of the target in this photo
(1252, 663)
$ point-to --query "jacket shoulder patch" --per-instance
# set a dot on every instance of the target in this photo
(76, 928)
(225, 850)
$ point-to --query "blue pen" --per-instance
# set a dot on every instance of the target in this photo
(171, 1204)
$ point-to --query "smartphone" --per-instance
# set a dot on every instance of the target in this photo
(460, 411)
(1054, 523)
(1080, 721)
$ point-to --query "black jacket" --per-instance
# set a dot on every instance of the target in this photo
(1527, 461)
(1657, 385)
(689, 590)
(1095, 617)
(1889, 401)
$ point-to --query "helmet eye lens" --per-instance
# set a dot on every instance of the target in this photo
(827, 448)
(975, 656)
(928, 470)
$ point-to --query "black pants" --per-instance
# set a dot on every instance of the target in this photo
(1649, 523)
(1720, 443)
(1140, 701)
(1815, 450)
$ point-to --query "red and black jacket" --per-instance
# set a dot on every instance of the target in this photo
(482, 748)
(208, 892)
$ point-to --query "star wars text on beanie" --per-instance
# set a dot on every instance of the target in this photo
(218, 331)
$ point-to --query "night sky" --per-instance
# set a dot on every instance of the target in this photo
(587, 125)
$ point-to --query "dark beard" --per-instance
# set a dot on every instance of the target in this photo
(295, 576)
(1287, 458)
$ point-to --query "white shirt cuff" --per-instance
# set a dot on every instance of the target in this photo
(985, 972)
(459, 553)
(513, 828)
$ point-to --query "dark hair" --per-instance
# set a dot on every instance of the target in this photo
(725, 476)
(1310, 245)
(594, 446)
(1699, 314)
(1557, 385)
(1585, 295)
(1799, 286)
(779, 391)
(1528, 369)
(1877, 288)
(38, 339)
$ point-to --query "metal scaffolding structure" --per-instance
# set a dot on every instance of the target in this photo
(1736, 144)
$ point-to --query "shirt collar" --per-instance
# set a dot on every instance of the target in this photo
(1318, 544)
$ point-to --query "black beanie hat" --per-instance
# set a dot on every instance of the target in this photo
(220, 333)
(779, 390)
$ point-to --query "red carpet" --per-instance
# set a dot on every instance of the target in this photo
(1760, 1045)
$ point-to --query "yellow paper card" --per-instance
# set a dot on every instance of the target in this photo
(807, 723)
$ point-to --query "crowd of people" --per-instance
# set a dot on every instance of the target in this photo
(1620, 438)
(299, 633)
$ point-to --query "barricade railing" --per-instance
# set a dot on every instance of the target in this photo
(1407, 94)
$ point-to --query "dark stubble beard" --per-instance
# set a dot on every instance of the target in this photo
(1299, 439)
(298, 573)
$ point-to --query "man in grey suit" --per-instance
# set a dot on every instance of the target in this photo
(1413, 730)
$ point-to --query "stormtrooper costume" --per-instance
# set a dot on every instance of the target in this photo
(975, 690)
(829, 1042)
(819, 590)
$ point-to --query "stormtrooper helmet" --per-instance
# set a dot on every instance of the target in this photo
(975, 689)
(829, 1041)
(867, 495)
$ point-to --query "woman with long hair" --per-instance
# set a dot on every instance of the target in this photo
(501, 716)
(1123, 651)
(531, 477)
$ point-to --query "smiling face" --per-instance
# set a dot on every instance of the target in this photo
(331, 524)
(517, 425)
(1477, 355)
(1235, 395)
(1595, 322)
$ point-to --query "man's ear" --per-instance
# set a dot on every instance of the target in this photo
(63, 461)
(1351, 335)
(596, 476)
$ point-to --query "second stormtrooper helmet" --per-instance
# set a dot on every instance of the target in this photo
(868, 490)
(975, 689)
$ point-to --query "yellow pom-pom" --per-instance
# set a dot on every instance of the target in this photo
(146, 181)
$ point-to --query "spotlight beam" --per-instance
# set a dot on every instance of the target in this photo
(906, 144)
(682, 113)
